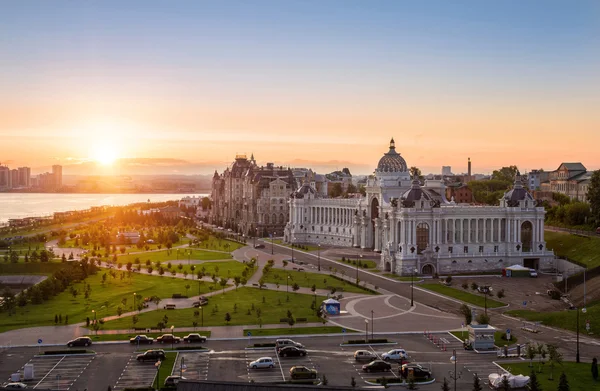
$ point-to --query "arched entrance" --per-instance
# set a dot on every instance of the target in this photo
(374, 215)
(422, 237)
(427, 269)
(388, 266)
(526, 235)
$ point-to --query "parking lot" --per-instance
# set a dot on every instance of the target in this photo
(193, 365)
(57, 372)
(136, 374)
(281, 371)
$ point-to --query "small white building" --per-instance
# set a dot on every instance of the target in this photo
(190, 202)
(415, 227)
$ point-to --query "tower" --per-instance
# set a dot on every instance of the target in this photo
(469, 170)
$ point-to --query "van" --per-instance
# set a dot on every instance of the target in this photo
(170, 306)
(283, 342)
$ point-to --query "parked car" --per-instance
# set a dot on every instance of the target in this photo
(292, 351)
(533, 273)
(283, 342)
(194, 337)
(419, 373)
(15, 386)
(484, 289)
(141, 339)
(395, 354)
(301, 372)
(168, 338)
(80, 341)
(173, 380)
(151, 355)
(263, 362)
(170, 307)
(364, 355)
(377, 366)
(259, 246)
(598, 230)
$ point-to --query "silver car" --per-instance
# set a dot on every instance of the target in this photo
(262, 363)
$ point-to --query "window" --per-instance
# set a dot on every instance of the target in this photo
(480, 249)
(495, 249)
(470, 261)
(453, 261)
(466, 249)
(450, 249)
(422, 237)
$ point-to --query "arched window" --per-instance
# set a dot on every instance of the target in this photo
(281, 218)
(526, 235)
(422, 237)
(266, 219)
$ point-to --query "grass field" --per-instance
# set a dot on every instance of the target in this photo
(467, 297)
(308, 279)
(579, 248)
(126, 337)
(402, 278)
(220, 244)
(498, 341)
(578, 375)
(352, 262)
(45, 268)
(272, 310)
(296, 331)
(172, 255)
(566, 319)
(310, 247)
(104, 299)
(166, 368)
(223, 269)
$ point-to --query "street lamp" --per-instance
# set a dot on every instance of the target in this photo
(577, 354)
(454, 375)
(319, 256)
(133, 306)
(272, 238)
(357, 262)
(372, 324)
(287, 288)
(172, 339)
(412, 286)
(189, 256)
(293, 240)
(95, 324)
(157, 365)
(202, 312)
(366, 330)
(316, 311)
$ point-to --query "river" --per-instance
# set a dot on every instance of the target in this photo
(19, 205)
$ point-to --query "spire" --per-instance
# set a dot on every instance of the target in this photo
(392, 144)
(518, 183)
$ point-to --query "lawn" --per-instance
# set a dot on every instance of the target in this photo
(308, 279)
(498, 341)
(583, 249)
(578, 375)
(362, 263)
(273, 308)
(104, 299)
(458, 294)
(173, 255)
(566, 319)
(223, 269)
(45, 268)
(219, 244)
(402, 278)
(166, 369)
(310, 247)
(126, 337)
(296, 331)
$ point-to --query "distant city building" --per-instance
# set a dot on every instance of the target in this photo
(24, 176)
(252, 199)
(535, 178)
(170, 212)
(446, 170)
(131, 237)
(416, 227)
(14, 179)
(57, 173)
(4, 178)
(344, 178)
(570, 179)
(190, 202)
(460, 193)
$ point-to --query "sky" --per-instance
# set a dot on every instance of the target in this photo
(182, 87)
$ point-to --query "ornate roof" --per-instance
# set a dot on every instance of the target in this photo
(392, 161)
(518, 192)
(415, 193)
(304, 191)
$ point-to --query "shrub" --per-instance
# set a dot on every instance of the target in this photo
(500, 293)
(474, 286)
(465, 285)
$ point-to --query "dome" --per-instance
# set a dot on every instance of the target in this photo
(305, 191)
(415, 193)
(518, 192)
(392, 161)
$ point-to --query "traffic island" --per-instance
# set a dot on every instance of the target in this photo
(396, 381)
(368, 342)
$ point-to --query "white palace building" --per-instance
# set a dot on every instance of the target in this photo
(417, 230)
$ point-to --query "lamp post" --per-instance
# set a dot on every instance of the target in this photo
(357, 261)
(272, 238)
(172, 339)
(319, 256)
(412, 287)
(95, 327)
(134, 297)
(577, 354)
(202, 312)
(316, 311)
(454, 375)
(287, 286)
(157, 365)
(366, 330)
(293, 240)
(189, 252)
(372, 324)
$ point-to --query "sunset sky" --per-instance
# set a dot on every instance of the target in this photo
(182, 86)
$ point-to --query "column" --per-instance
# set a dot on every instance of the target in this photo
(492, 220)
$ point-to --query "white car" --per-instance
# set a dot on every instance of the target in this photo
(15, 386)
(364, 355)
(395, 355)
(261, 363)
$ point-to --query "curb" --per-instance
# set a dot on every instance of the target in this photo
(368, 344)
(403, 384)
(69, 355)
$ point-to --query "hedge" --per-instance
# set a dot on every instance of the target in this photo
(76, 351)
(264, 345)
(359, 341)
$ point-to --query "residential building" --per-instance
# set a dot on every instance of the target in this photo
(24, 176)
(57, 173)
(416, 227)
(459, 192)
(447, 171)
(252, 199)
(344, 178)
(190, 202)
(570, 179)
(14, 178)
(4, 178)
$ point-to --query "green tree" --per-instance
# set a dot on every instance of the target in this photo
(563, 383)
(351, 189)
(541, 350)
(593, 196)
(445, 385)
(595, 369)
(534, 384)
(415, 172)
(504, 384)
(336, 190)
(530, 353)
(14, 257)
(227, 317)
(476, 384)
(554, 357)
(506, 174)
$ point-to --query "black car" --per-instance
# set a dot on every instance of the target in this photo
(377, 366)
(200, 303)
(292, 351)
(141, 339)
(418, 372)
(168, 338)
(194, 338)
(259, 246)
(151, 355)
(81, 341)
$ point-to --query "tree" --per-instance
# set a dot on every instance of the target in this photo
(187, 288)
(563, 383)
(295, 287)
(119, 311)
(541, 350)
(530, 353)
(595, 369)
(227, 317)
(534, 384)
(351, 189)
(593, 196)
(415, 172)
(445, 385)
(476, 384)
(505, 174)
(466, 312)
(236, 281)
(336, 190)
(285, 263)
(223, 284)
(554, 357)
(504, 384)
(291, 321)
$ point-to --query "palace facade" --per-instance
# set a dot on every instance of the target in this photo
(417, 230)
(251, 199)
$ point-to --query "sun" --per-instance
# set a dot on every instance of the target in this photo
(104, 154)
